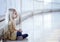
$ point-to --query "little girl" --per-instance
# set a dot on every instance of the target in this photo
(12, 33)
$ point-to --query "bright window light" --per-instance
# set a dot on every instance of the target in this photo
(47, 1)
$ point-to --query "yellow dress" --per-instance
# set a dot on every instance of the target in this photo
(13, 36)
(11, 33)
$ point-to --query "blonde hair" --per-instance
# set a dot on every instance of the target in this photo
(11, 24)
(11, 27)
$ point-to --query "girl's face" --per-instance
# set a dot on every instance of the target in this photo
(13, 13)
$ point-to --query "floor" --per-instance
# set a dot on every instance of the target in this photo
(42, 28)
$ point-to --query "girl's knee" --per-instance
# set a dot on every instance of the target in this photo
(25, 36)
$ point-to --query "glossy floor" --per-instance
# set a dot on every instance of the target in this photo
(42, 28)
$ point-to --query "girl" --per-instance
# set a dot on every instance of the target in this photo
(12, 33)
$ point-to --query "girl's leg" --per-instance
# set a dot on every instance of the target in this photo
(21, 36)
(19, 33)
(25, 36)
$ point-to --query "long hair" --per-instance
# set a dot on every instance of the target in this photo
(11, 26)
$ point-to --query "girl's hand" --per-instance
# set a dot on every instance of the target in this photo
(20, 30)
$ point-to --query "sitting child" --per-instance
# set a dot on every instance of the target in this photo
(12, 33)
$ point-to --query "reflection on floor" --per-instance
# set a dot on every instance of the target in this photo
(42, 28)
